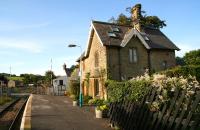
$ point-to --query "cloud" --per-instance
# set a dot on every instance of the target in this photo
(8, 26)
(28, 46)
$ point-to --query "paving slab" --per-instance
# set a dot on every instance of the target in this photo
(57, 113)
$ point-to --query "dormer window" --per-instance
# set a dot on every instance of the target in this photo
(115, 29)
(112, 34)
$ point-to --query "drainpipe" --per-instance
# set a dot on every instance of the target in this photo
(108, 60)
(119, 59)
(149, 60)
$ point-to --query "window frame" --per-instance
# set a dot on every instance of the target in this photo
(96, 59)
(164, 64)
(96, 87)
(133, 55)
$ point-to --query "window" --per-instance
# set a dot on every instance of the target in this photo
(111, 34)
(164, 64)
(96, 87)
(96, 59)
(115, 29)
(133, 55)
(60, 82)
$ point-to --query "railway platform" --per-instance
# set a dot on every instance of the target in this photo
(57, 113)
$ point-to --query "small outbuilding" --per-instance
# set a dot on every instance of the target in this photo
(60, 85)
(15, 83)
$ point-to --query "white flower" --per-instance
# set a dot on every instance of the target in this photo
(183, 81)
(190, 92)
(173, 89)
(159, 77)
(160, 97)
(197, 86)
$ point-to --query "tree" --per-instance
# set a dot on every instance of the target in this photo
(49, 76)
(180, 61)
(74, 82)
(121, 20)
(192, 57)
(31, 78)
(145, 20)
(3, 78)
(152, 21)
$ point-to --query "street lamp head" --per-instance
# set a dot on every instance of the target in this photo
(72, 45)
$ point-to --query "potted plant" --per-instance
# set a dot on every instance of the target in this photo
(75, 100)
(100, 107)
(101, 111)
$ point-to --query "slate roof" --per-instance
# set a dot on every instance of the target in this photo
(103, 28)
(156, 39)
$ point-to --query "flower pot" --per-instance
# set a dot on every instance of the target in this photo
(75, 103)
(98, 113)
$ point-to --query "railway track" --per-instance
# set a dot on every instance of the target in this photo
(10, 117)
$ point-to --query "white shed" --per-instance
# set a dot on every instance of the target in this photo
(60, 85)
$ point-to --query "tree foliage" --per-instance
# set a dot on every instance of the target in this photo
(152, 21)
(122, 19)
(31, 78)
(192, 57)
(3, 78)
(185, 71)
(7, 75)
(145, 20)
(128, 90)
(49, 76)
(180, 61)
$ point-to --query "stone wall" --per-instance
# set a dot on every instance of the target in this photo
(127, 69)
(159, 56)
(89, 64)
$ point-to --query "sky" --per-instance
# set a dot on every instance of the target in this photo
(32, 32)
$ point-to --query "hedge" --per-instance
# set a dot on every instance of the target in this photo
(132, 90)
(185, 71)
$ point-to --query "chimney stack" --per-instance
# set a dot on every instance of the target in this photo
(136, 15)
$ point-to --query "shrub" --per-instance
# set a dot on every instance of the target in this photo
(96, 102)
(133, 90)
(167, 86)
(4, 100)
(185, 71)
(100, 104)
(74, 88)
(103, 107)
(86, 99)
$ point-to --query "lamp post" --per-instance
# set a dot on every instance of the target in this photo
(80, 72)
